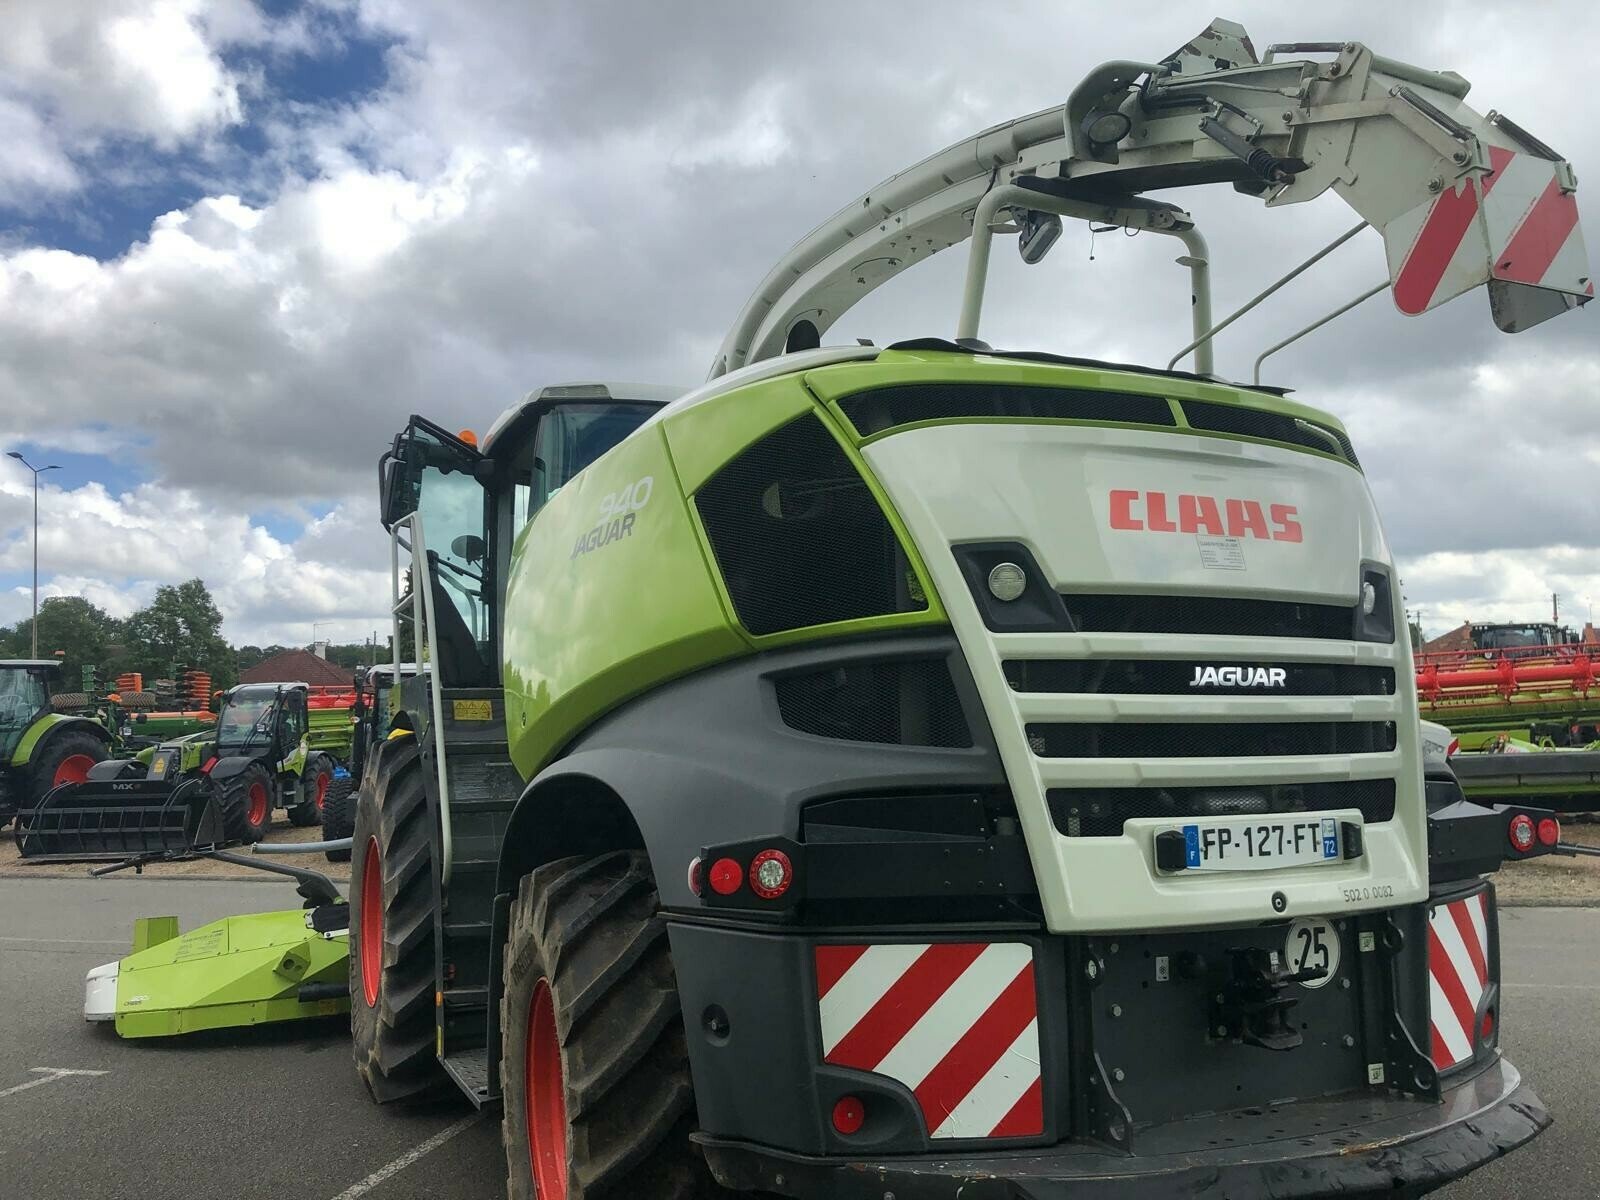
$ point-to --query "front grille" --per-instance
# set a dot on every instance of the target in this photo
(873, 412)
(903, 702)
(1210, 740)
(798, 536)
(1269, 426)
(1101, 812)
(1171, 678)
(1210, 615)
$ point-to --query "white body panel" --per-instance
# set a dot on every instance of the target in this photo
(1049, 487)
(100, 993)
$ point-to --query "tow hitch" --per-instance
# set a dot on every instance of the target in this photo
(1253, 1003)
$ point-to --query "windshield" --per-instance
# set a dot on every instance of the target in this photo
(22, 698)
(244, 721)
(569, 438)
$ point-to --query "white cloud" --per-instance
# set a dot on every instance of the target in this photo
(142, 67)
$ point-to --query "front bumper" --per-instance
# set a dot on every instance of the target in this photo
(1354, 1147)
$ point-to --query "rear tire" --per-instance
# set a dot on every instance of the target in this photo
(612, 1104)
(313, 790)
(338, 816)
(391, 930)
(65, 758)
(246, 804)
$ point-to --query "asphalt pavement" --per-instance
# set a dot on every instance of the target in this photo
(280, 1112)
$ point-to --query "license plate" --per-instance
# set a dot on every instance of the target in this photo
(1261, 845)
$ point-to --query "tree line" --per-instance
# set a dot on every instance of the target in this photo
(181, 627)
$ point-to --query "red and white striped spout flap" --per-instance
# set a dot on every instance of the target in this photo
(1458, 976)
(1514, 227)
(955, 1022)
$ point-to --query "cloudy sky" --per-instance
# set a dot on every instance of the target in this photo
(240, 242)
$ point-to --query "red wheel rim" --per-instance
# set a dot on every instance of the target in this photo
(546, 1094)
(371, 922)
(74, 768)
(322, 789)
(260, 809)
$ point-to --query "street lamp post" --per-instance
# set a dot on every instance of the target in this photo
(37, 471)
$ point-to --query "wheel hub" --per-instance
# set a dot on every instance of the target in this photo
(371, 922)
(546, 1098)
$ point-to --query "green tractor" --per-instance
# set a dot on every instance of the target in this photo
(268, 750)
(370, 724)
(40, 748)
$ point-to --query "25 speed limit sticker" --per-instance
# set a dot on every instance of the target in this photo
(1312, 945)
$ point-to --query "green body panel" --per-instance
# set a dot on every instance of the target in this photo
(648, 604)
(239, 971)
(592, 621)
(50, 721)
(170, 726)
(328, 731)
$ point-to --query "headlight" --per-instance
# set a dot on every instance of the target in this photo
(1374, 610)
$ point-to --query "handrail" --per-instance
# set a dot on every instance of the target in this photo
(422, 621)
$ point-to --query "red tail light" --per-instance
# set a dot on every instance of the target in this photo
(1486, 1028)
(1522, 833)
(1452, 748)
(771, 873)
(697, 876)
(210, 762)
(1549, 831)
(849, 1115)
(727, 876)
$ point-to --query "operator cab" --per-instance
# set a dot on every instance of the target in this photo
(259, 717)
(24, 698)
(469, 502)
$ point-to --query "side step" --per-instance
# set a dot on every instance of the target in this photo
(470, 1070)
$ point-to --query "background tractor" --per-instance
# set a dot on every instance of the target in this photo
(273, 746)
(369, 725)
(40, 748)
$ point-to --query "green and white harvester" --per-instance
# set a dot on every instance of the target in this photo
(941, 771)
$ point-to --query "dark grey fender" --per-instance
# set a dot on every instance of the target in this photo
(708, 759)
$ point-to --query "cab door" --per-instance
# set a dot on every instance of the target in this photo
(434, 482)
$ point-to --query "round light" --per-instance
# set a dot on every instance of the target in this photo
(1007, 581)
(849, 1115)
(1549, 831)
(771, 872)
(697, 875)
(1107, 128)
(1486, 1029)
(726, 876)
(1369, 599)
(1522, 833)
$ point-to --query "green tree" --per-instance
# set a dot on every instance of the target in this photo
(71, 629)
(180, 627)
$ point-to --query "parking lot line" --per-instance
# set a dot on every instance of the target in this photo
(405, 1160)
(47, 1075)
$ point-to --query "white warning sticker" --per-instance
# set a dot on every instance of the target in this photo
(1221, 553)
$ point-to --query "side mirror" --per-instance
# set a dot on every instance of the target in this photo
(468, 547)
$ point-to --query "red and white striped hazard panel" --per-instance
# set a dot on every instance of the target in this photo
(1458, 973)
(1515, 223)
(956, 1022)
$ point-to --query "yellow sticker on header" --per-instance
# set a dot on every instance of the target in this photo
(472, 710)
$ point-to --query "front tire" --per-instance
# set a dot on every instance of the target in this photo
(246, 805)
(595, 1067)
(315, 780)
(391, 930)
